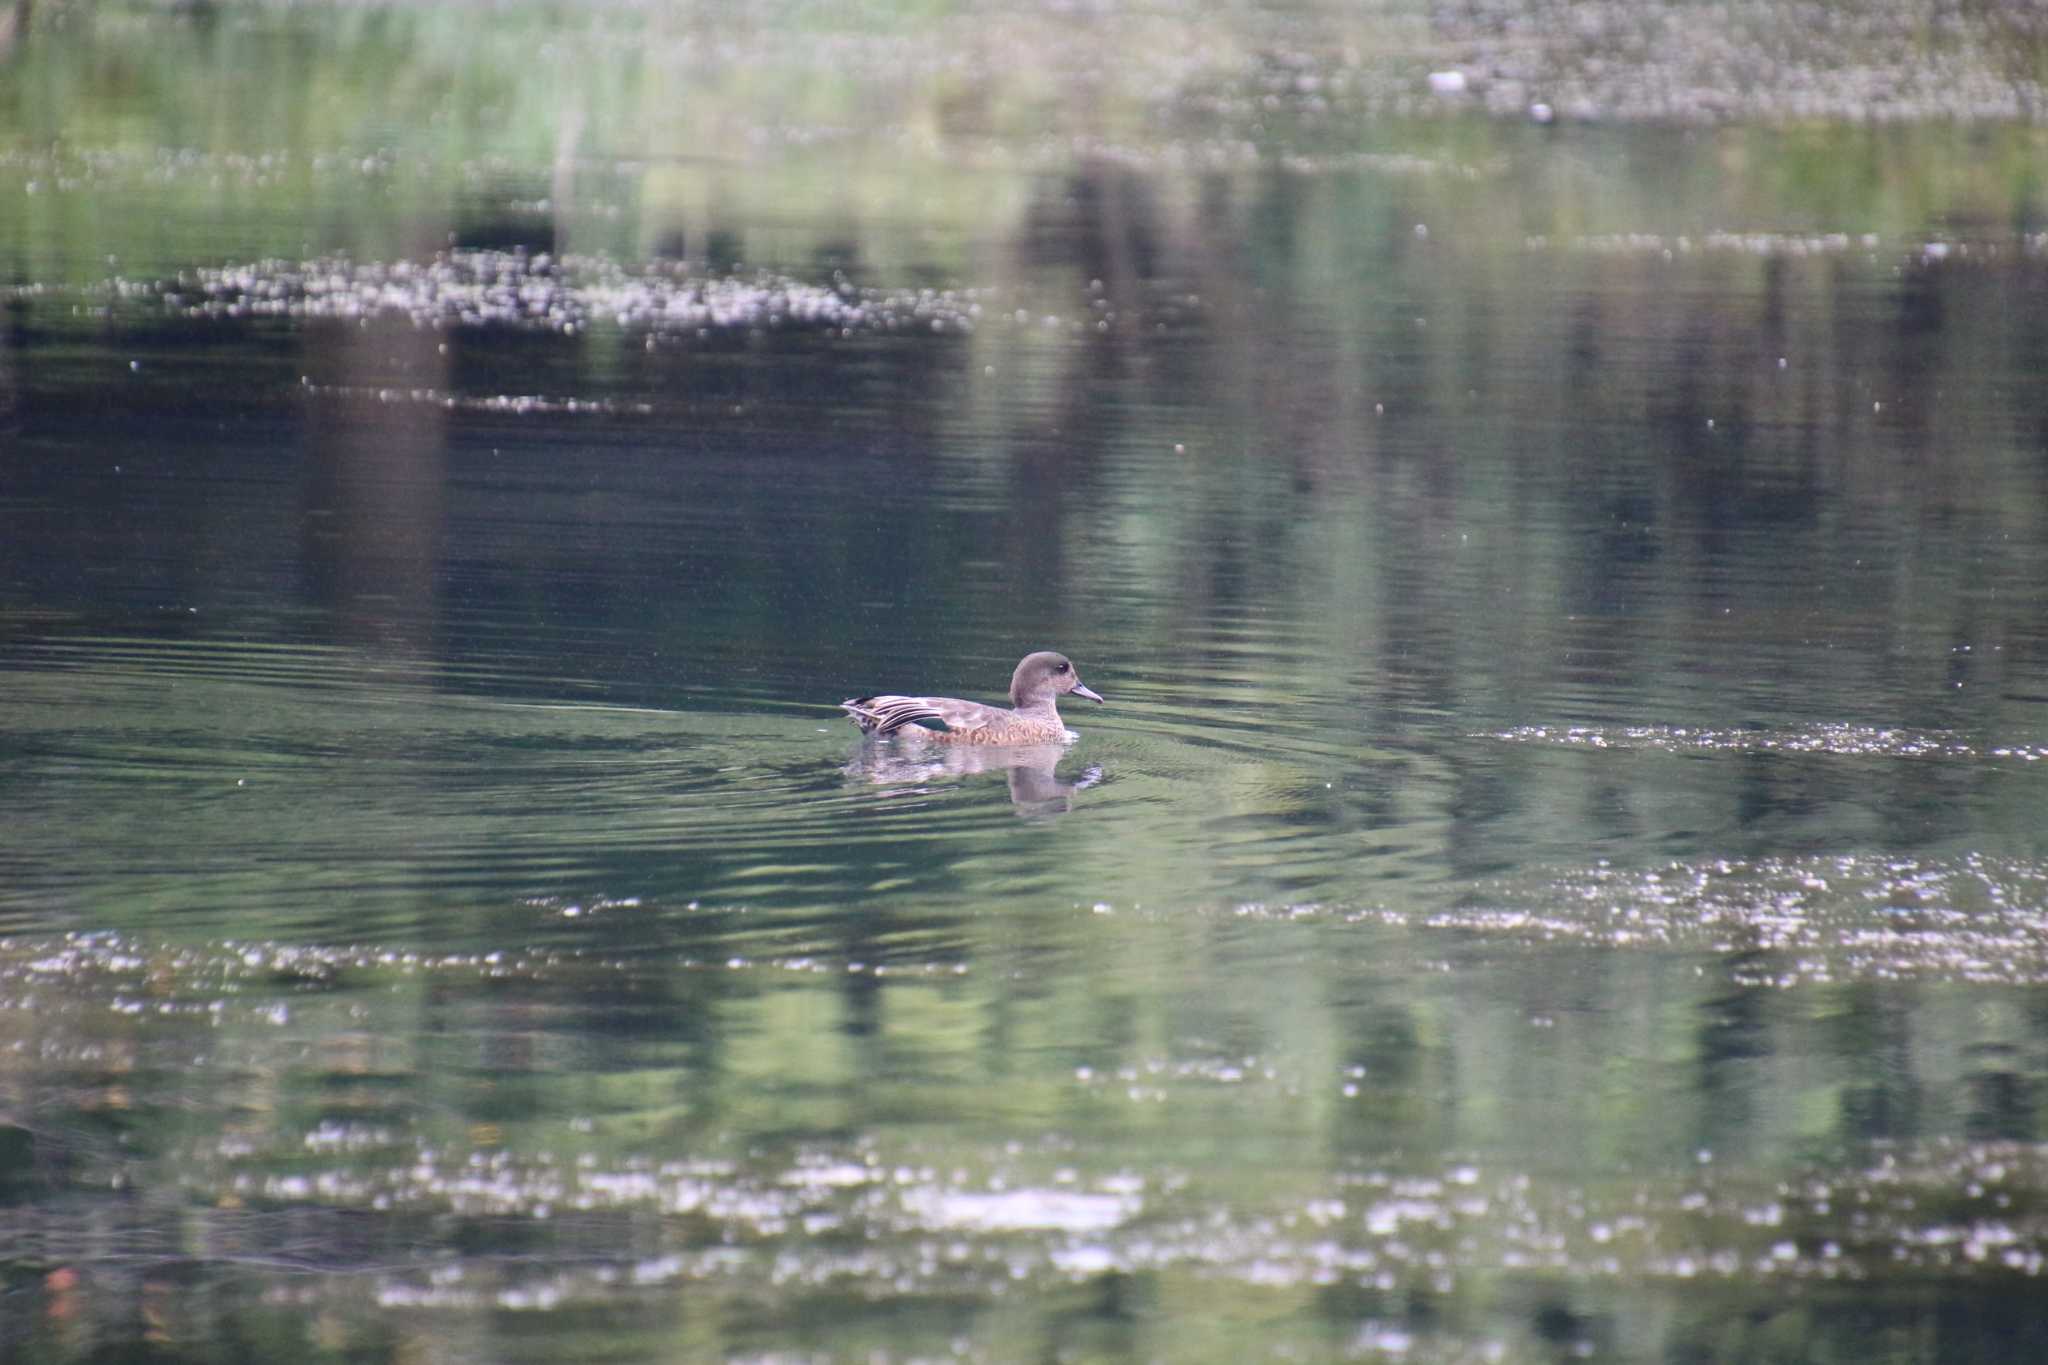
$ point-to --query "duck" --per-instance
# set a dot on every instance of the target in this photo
(1032, 717)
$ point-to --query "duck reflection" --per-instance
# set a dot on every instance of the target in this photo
(1035, 788)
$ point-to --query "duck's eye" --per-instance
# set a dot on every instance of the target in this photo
(1061, 667)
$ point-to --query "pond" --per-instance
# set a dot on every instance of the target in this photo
(1560, 868)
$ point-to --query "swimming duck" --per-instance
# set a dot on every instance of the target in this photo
(1033, 716)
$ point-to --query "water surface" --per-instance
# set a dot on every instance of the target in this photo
(1560, 872)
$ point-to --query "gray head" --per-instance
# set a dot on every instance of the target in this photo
(1044, 676)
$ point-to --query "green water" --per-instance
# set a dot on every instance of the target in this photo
(1560, 870)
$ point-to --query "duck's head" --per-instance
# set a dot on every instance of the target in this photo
(1044, 676)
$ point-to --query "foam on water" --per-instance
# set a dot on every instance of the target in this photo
(1862, 741)
(478, 288)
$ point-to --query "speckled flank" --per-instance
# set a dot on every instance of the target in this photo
(1002, 734)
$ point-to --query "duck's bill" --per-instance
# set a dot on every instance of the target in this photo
(1089, 693)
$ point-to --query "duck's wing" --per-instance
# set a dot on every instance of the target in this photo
(887, 715)
(967, 715)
